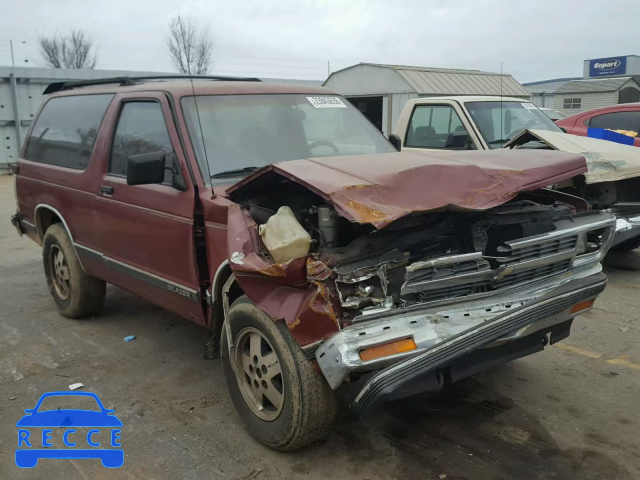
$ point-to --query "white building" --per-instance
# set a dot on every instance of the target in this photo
(380, 91)
(578, 96)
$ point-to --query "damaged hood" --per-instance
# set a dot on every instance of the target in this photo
(379, 189)
(607, 161)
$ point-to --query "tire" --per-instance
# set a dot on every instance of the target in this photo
(76, 294)
(309, 405)
(628, 245)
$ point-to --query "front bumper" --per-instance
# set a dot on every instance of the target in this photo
(626, 229)
(442, 336)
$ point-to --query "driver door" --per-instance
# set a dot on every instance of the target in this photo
(145, 232)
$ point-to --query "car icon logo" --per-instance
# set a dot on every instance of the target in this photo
(101, 441)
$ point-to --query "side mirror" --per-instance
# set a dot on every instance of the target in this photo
(177, 180)
(146, 168)
(395, 141)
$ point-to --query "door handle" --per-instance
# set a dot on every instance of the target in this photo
(106, 190)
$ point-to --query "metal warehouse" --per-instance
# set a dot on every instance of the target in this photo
(380, 91)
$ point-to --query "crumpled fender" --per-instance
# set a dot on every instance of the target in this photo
(300, 292)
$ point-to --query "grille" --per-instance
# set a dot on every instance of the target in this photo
(531, 275)
(460, 276)
(542, 249)
(432, 273)
(447, 292)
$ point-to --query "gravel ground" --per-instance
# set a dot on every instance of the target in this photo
(570, 412)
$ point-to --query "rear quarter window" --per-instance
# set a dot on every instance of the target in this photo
(66, 130)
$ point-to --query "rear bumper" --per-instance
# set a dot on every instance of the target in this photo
(443, 336)
(22, 226)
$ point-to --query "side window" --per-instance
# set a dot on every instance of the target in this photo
(141, 129)
(434, 126)
(571, 103)
(66, 130)
(617, 121)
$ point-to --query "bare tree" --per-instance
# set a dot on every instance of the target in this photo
(189, 46)
(73, 50)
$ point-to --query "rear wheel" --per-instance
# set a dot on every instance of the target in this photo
(76, 294)
(284, 402)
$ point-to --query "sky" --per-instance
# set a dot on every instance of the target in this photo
(305, 38)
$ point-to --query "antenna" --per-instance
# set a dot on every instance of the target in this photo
(204, 144)
(501, 109)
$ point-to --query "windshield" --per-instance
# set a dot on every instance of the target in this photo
(244, 131)
(499, 122)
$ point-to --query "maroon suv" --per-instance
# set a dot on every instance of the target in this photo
(318, 256)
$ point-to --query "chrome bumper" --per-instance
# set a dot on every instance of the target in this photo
(557, 302)
(626, 229)
(339, 356)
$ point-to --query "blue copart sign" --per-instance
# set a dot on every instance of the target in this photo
(604, 67)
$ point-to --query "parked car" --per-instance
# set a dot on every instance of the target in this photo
(624, 117)
(554, 115)
(489, 123)
(345, 265)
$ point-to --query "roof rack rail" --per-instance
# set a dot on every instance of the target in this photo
(126, 81)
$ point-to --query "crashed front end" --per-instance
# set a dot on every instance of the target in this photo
(388, 296)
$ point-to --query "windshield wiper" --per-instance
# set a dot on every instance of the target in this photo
(234, 172)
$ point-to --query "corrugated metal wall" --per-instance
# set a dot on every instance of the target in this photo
(29, 96)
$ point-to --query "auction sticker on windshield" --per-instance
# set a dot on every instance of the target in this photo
(326, 102)
(529, 106)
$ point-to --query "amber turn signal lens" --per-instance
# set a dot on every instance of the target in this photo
(578, 307)
(386, 349)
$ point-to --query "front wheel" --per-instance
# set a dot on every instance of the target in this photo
(284, 402)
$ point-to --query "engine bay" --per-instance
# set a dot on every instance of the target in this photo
(422, 257)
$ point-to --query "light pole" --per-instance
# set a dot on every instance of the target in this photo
(13, 58)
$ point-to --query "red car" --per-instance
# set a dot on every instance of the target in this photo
(614, 117)
(318, 256)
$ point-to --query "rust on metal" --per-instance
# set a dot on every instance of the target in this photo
(317, 270)
(322, 303)
(365, 213)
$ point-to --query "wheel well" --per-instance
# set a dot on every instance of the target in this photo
(235, 291)
(44, 219)
(217, 317)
